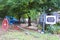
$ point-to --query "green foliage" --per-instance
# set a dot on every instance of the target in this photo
(56, 3)
(33, 14)
(39, 27)
(3, 2)
(1, 7)
(53, 29)
(21, 7)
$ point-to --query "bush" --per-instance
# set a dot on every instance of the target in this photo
(55, 29)
(39, 27)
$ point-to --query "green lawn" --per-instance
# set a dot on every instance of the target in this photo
(20, 35)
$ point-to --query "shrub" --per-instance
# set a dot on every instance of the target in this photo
(55, 29)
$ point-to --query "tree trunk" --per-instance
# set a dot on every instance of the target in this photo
(19, 20)
(29, 21)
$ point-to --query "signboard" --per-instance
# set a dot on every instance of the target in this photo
(5, 24)
(58, 18)
(50, 19)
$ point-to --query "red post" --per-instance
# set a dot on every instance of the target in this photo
(5, 24)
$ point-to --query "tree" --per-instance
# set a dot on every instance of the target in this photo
(3, 8)
(18, 8)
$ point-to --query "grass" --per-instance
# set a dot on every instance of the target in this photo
(20, 35)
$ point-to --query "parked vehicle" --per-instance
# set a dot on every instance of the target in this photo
(12, 20)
